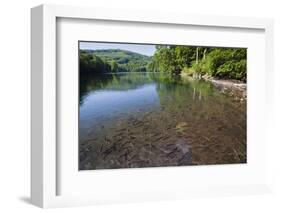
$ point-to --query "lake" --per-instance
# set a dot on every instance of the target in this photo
(134, 120)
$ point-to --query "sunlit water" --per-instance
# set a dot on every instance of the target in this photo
(133, 120)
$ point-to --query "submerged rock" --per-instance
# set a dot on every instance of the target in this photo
(186, 153)
(182, 145)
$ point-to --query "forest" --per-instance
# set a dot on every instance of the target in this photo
(113, 60)
(221, 63)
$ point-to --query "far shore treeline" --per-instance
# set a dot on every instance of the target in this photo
(222, 63)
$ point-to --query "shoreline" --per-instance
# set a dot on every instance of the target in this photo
(234, 88)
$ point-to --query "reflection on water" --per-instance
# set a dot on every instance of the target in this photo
(134, 120)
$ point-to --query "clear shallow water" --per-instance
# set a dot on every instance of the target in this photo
(133, 120)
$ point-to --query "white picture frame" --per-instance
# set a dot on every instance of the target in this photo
(44, 155)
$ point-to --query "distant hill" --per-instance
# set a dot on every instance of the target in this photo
(127, 61)
(120, 56)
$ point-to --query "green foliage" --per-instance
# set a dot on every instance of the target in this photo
(165, 59)
(114, 66)
(185, 56)
(126, 61)
(175, 59)
(91, 63)
(200, 67)
(217, 62)
(233, 69)
(229, 63)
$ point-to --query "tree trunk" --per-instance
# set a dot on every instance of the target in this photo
(204, 54)
(197, 51)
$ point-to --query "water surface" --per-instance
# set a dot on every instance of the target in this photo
(133, 120)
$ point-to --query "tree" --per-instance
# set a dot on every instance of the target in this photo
(165, 58)
(197, 61)
(228, 63)
(92, 64)
(114, 66)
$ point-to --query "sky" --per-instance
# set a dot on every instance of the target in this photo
(144, 49)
